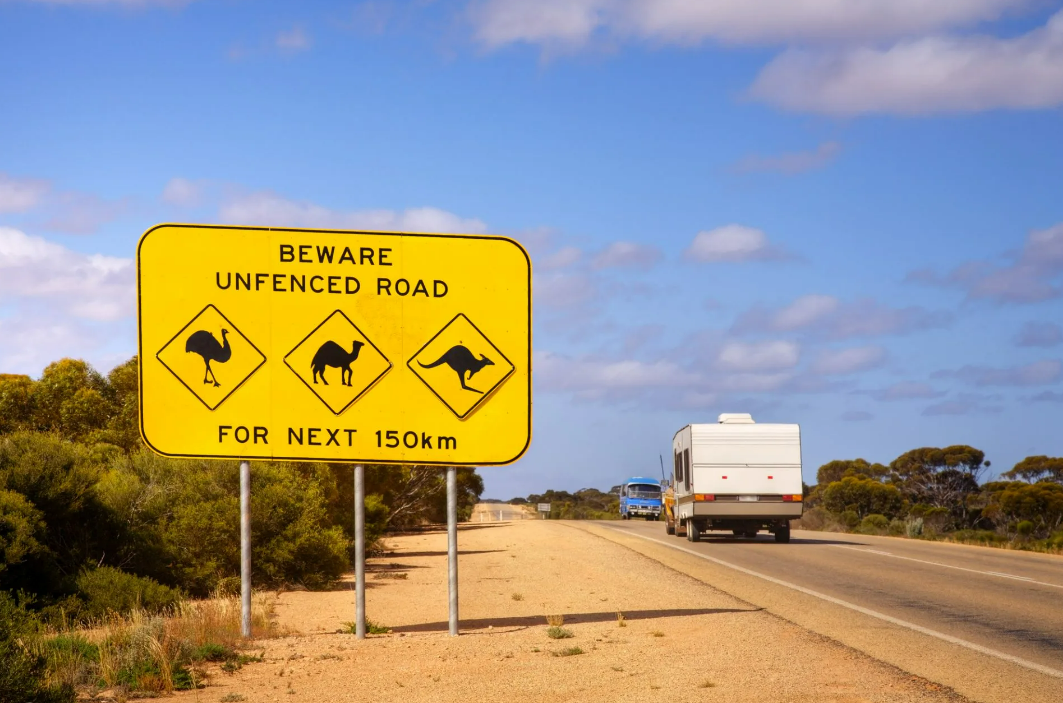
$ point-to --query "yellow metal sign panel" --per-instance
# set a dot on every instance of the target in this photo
(311, 345)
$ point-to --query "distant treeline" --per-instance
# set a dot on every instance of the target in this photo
(935, 492)
(83, 503)
(585, 504)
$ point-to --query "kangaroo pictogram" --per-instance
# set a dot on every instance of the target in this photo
(463, 362)
(332, 354)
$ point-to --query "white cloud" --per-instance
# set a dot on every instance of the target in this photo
(574, 23)
(183, 192)
(293, 40)
(905, 390)
(1030, 278)
(732, 243)
(270, 209)
(560, 259)
(1038, 373)
(791, 163)
(829, 317)
(758, 356)
(93, 287)
(121, 3)
(21, 194)
(846, 361)
(563, 290)
(965, 404)
(627, 254)
(590, 377)
(939, 74)
(1040, 334)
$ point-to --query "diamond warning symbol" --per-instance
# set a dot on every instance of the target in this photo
(337, 362)
(211, 357)
(461, 366)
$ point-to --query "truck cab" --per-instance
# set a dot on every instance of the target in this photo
(640, 497)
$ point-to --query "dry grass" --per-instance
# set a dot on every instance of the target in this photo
(555, 620)
(517, 596)
(620, 619)
(145, 653)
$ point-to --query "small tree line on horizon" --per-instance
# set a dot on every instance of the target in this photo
(935, 491)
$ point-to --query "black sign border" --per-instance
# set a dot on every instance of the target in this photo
(246, 228)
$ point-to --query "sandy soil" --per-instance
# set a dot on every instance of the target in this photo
(681, 640)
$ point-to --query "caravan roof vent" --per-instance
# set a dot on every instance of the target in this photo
(735, 419)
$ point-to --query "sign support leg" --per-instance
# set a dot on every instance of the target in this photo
(359, 551)
(245, 549)
(452, 546)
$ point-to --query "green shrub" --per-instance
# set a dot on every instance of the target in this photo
(873, 525)
(913, 527)
(558, 633)
(109, 590)
(897, 527)
(850, 519)
(863, 496)
(982, 536)
(22, 670)
(211, 652)
(1024, 528)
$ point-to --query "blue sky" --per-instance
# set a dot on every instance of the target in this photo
(842, 214)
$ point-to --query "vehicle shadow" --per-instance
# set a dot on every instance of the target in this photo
(768, 541)
(524, 622)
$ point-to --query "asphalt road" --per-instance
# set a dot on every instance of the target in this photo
(1006, 601)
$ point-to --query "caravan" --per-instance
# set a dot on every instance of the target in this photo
(736, 475)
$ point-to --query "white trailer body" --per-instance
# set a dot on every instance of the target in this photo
(737, 475)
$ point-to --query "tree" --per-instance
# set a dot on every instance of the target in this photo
(1010, 503)
(1037, 468)
(941, 478)
(864, 496)
(835, 470)
(70, 398)
(16, 403)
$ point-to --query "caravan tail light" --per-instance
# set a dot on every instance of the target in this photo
(704, 497)
(792, 499)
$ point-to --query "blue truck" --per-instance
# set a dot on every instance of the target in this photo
(640, 497)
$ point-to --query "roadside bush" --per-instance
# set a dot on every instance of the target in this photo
(863, 496)
(897, 527)
(1024, 528)
(850, 519)
(22, 670)
(873, 525)
(978, 536)
(109, 590)
(913, 527)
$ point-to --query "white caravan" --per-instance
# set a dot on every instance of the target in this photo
(737, 475)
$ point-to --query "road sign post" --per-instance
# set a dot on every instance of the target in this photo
(544, 508)
(452, 548)
(359, 551)
(313, 345)
(245, 549)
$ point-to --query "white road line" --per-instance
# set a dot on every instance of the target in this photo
(1034, 666)
(998, 574)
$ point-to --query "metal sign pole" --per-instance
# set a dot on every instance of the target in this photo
(245, 549)
(452, 546)
(359, 551)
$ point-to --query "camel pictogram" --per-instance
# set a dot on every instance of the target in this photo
(332, 354)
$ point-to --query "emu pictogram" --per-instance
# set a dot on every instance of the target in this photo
(332, 354)
(462, 361)
(204, 344)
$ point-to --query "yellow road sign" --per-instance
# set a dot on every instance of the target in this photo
(334, 346)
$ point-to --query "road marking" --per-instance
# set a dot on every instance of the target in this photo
(998, 574)
(1034, 666)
